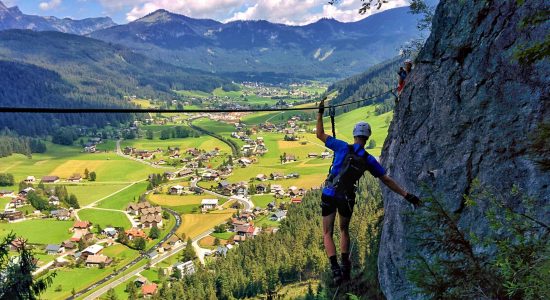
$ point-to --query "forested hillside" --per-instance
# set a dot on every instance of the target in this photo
(50, 69)
(262, 265)
(376, 80)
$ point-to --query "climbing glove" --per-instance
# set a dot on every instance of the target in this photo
(322, 107)
(414, 200)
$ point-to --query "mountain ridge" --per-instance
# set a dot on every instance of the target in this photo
(326, 48)
(13, 18)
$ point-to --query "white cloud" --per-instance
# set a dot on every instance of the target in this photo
(300, 12)
(292, 12)
(213, 9)
(49, 5)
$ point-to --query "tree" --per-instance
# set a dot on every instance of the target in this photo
(139, 243)
(372, 144)
(149, 134)
(98, 228)
(111, 295)
(154, 233)
(81, 244)
(16, 274)
(189, 252)
(216, 242)
(86, 173)
(165, 215)
(93, 176)
(6, 179)
(132, 291)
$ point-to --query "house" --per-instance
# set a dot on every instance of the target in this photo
(325, 155)
(61, 214)
(90, 148)
(186, 268)
(293, 175)
(170, 175)
(296, 200)
(290, 158)
(75, 178)
(53, 200)
(6, 193)
(150, 220)
(135, 233)
(276, 188)
(154, 210)
(98, 260)
(68, 245)
(82, 225)
(17, 244)
(50, 179)
(17, 202)
(261, 177)
(12, 216)
(136, 208)
(185, 172)
(197, 190)
(246, 230)
(207, 204)
(243, 161)
(54, 249)
(276, 176)
(148, 289)
(30, 179)
(140, 281)
(312, 155)
(110, 232)
(222, 251)
(176, 190)
(91, 250)
(26, 190)
(81, 230)
(278, 215)
(271, 205)
(261, 188)
(292, 191)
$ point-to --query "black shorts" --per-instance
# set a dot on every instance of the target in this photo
(330, 205)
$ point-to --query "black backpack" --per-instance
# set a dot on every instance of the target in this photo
(353, 167)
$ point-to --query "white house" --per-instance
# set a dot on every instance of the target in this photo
(207, 204)
(30, 179)
(186, 268)
(176, 190)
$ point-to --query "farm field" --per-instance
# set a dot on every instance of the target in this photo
(196, 224)
(176, 200)
(39, 231)
(203, 142)
(224, 235)
(105, 218)
(91, 192)
(121, 199)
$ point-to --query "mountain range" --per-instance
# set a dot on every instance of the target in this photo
(326, 48)
(245, 50)
(13, 18)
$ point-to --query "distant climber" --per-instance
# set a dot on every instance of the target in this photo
(403, 73)
(349, 164)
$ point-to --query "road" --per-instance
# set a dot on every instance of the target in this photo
(132, 263)
(133, 273)
(248, 205)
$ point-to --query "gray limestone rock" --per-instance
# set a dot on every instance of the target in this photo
(466, 112)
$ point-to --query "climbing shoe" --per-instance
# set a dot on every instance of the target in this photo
(346, 272)
(337, 276)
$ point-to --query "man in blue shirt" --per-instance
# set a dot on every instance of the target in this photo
(339, 195)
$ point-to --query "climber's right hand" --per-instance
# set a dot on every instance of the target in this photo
(414, 200)
(322, 106)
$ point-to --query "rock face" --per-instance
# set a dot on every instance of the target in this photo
(466, 112)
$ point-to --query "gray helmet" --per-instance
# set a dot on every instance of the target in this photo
(362, 129)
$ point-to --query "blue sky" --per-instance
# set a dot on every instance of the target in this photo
(122, 11)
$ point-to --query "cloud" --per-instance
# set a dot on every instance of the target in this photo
(49, 5)
(213, 9)
(292, 12)
(300, 12)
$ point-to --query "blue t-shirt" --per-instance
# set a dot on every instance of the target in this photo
(341, 149)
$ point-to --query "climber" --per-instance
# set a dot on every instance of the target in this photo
(349, 164)
(403, 73)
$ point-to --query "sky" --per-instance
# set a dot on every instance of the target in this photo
(291, 12)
